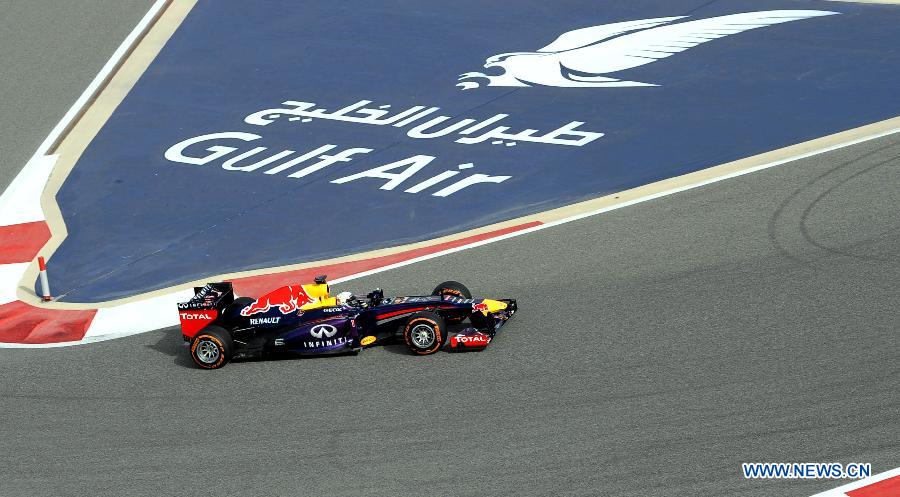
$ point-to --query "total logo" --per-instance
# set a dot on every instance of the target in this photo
(474, 340)
(190, 316)
(323, 331)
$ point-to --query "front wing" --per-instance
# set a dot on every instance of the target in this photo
(478, 338)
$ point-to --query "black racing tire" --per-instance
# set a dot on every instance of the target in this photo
(456, 289)
(212, 348)
(425, 333)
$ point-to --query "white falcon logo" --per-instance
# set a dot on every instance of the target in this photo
(579, 57)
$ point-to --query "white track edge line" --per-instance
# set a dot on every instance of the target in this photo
(27, 174)
(525, 231)
(865, 482)
(88, 94)
(154, 10)
(100, 78)
(132, 37)
(623, 204)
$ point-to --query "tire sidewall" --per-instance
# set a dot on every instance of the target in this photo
(452, 288)
(217, 337)
(437, 325)
(456, 289)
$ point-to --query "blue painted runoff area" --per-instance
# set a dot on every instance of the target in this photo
(277, 132)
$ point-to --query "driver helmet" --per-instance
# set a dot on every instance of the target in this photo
(343, 298)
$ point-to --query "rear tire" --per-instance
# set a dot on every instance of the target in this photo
(212, 348)
(425, 333)
(456, 289)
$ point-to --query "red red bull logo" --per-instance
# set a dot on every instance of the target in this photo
(481, 306)
(287, 299)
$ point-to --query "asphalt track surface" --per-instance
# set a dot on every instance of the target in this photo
(657, 347)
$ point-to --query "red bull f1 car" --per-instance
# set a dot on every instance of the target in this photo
(307, 320)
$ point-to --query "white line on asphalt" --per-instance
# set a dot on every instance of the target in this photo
(623, 204)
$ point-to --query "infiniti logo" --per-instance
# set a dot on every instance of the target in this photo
(323, 329)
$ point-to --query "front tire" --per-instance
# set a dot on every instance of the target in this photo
(456, 289)
(212, 348)
(425, 333)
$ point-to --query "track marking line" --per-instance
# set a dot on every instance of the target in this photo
(627, 203)
(72, 135)
(134, 55)
(884, 2)
(873, 486)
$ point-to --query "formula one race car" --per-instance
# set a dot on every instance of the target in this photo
(306, 320)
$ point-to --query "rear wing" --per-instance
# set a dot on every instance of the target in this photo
(204, 307)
